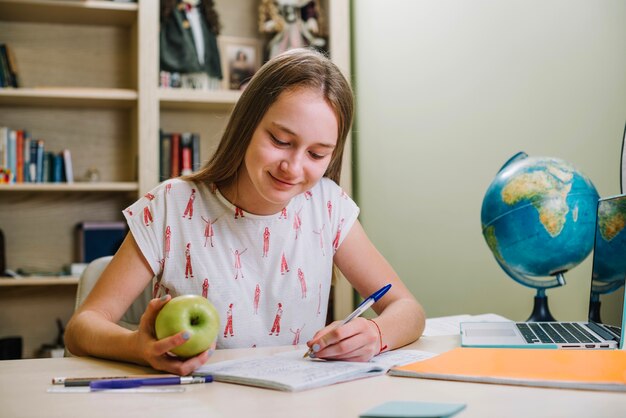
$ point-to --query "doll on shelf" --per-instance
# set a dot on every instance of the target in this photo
(295, 23)
(188, 44)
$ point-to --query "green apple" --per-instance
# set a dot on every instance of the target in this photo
(191, 313)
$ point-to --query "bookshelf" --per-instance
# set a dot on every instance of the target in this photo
(89, 82)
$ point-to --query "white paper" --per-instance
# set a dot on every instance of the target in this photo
(450, 325)
(289, 371)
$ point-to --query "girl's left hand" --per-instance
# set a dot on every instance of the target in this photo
(355, 341)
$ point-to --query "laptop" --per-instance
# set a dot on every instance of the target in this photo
(603, 329)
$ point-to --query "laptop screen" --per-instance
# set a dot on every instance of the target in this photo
(606, 305)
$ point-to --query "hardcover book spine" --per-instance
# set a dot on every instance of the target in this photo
(32, 165)
(175, 160)
(67, 164)
(26, 153)
(19, 156)
(165, 167)
(11, 155)
(195, 144)
(185, 151)
(40, 150)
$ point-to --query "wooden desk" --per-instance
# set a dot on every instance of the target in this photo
(23, 385)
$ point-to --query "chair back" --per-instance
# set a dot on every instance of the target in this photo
(87, 281)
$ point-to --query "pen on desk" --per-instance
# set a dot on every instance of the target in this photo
(153, 381)
(364, 306)
(85, 381)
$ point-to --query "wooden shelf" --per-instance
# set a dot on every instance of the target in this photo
(70, 97)
(71, 187)
(39, 281)
(85, 12)
(181, 99)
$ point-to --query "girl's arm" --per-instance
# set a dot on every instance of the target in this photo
(93, 328)
(400, 318)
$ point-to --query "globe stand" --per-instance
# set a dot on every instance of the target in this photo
(541, 312)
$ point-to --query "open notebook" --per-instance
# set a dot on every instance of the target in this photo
(603, 329)
(290, 372)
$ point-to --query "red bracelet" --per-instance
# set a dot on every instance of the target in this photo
(380, 336)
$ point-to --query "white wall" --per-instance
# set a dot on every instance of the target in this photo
(447, 91)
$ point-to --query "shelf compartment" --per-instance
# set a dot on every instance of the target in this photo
(87, 12)
(185, 99)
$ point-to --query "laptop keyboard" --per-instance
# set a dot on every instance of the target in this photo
(555, 332)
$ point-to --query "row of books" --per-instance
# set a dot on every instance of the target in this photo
(179, 154)
(24, 159)
(8, 69)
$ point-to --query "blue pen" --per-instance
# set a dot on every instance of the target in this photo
(149, 381)
(364, 306)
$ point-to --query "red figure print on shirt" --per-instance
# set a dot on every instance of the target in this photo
(257, 298)
(149, 196)
(329, 205)
(297, 222)
(296, 335)
(266, 241)
(168, 241)
(188, 269)
(321, 234)
(205, 288)
(338, 235)
(229, 322)
(189, 209)
(161, 263)
(308, 195)
(238, 212)
(302, 283)
(284, 268)
(238, 270)
(208, 230)
(130, 212)
(147, 216)
(319, 299)
(283, 213)
(168, 188)
(155, 289)
(276, 325)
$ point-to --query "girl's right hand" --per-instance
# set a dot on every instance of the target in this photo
(157, 353)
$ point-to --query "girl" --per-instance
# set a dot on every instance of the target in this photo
(279, 223)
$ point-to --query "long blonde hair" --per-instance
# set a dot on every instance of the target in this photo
(292, 69)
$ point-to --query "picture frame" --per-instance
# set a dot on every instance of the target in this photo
(241, 58)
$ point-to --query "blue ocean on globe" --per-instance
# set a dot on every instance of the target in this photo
(608, 270)
(538, 218)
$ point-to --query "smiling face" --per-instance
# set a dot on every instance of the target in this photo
(288, 154)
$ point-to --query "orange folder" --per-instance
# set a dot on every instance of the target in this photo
(570, 369)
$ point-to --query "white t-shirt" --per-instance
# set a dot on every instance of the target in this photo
(268, 276)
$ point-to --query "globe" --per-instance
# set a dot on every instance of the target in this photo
(609, 263)
(538, 219)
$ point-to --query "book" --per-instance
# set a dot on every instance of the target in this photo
(567, 369)
(165, 166)
(67, 166)
(175, 155)
(99, 239)
(290, 372)
(186, 143)
(19, 156)
(195, 145)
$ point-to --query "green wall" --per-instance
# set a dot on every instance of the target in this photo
(447, 91)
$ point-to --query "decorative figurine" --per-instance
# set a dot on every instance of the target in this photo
(296, 23)
(188, 44)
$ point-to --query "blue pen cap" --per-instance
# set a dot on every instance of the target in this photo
(379, 294)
